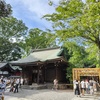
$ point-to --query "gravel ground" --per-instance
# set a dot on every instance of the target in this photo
(47, 94)
(40, 95)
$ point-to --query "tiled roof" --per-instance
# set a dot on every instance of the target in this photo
(41, 55)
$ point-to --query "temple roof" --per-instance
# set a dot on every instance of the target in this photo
(3, 65)
(41, 55)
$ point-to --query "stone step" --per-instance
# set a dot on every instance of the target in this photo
(37, 87)
(47, 86)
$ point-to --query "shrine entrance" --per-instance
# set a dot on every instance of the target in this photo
(86, 73)
(90, 78)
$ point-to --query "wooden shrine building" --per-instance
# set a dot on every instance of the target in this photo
(43, 66)
(86, 73)
(7, 70)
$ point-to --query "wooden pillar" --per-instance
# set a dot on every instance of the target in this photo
(99, 74)
(23, 71)
(30, 75)
(45, 73)
(38, 75)
(56, 70)
(73, 74)
(42, 74)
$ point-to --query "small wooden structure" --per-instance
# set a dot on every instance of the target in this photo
(86, 72)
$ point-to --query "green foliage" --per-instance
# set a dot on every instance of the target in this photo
(78, 57)
(5, 9)
(37, 39)
(11, 28)
(9, 51)
(75, 19)
(93, 55)
(12, 32)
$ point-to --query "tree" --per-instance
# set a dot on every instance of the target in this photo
(76, 19)
(12, 32)
(12, 29)
(93, 56)
(77, 57)
(9, 51)
(5, 9)
(37, 39)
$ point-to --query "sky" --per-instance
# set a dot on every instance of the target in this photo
(32, 11)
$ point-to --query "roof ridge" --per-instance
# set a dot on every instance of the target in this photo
(44, 49)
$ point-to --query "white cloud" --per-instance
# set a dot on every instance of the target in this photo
(39, 7)
(32, 11)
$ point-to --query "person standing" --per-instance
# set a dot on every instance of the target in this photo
(77, 88)
(12, 85)
(74, 84)
(16, 86)
(20, 82)
(87, 86)
(82, 87)
(91, 87)
(55, 82)
(94, 86)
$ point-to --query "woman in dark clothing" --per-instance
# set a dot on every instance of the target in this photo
(77, 89)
